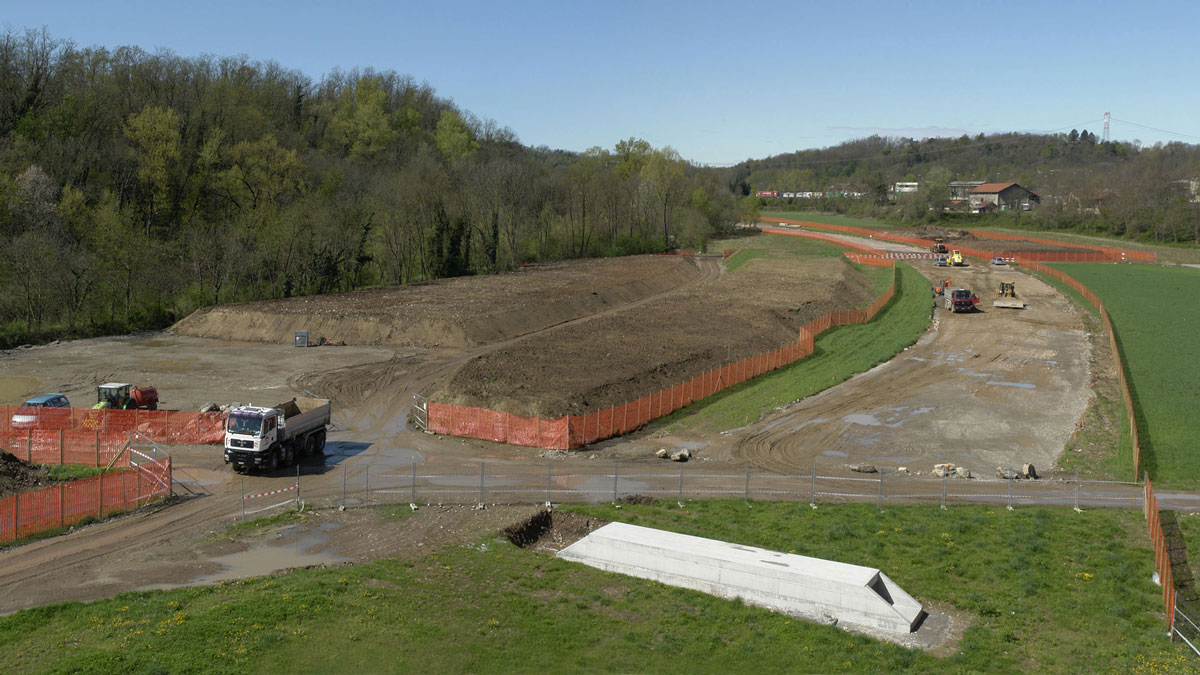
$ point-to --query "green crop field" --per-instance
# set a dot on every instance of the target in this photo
(1040, 589)
(1156, 317)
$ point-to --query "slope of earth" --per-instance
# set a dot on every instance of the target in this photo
(18, 476)
(956, 238)
(458, 312)
(625, 355)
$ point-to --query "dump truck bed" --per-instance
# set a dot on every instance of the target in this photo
(302, 415)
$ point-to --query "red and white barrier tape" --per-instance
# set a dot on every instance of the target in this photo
(268, 494)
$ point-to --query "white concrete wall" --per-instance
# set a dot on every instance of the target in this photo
(797, 585)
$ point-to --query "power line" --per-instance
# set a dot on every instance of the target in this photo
(1163, 131)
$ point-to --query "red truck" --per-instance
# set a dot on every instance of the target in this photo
(961, 300)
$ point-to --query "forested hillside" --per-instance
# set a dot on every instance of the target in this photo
(137, 186)
(1108, 187)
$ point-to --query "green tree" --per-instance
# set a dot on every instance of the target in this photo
(154, 133)
(452, 137)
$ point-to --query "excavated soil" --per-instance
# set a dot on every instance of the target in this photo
(17, 475)
(955, 238)
(454, 313)
(625, 355)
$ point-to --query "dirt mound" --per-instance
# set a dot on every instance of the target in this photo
(457, 313)
(551, 531)
(624, 355)
(955, 237)
(17, 475)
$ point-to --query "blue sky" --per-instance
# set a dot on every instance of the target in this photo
(719, 82)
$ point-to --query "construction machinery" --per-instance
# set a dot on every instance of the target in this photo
(941, 286)
(960, 300)
(1006, 297)
(125, 396)
(939, 246)
(956, 259)
(258, 437)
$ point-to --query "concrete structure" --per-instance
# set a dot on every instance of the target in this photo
(797, 585)
(1002, 197)
(961, 189)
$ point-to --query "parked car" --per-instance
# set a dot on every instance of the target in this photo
(940, 261)
(27, 415)
(999, 261)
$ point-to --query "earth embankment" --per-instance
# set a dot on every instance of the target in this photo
(454, 313)
(624, 355)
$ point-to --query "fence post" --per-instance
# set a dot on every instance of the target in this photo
(137, 478)
(481, 464)
(943, 492)
(747, 482)
(100, 496)
(297, 487)
(243, 499)
(812, 492)
(412, 487)
(1077, 491)
(97, 446)
(61, 443)
(1010, 503)
(367, 485)
(62, 505)
(124, 492)
(616, 473)
(880, 490)
(29, 446)
(547, 483)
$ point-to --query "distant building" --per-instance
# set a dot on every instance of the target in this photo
(766, 193)
(1189, 188)
(903, 188)
(1001, 197)
(961, 189)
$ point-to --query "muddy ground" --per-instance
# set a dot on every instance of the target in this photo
(955, 237)
(17, 475)
(1001, 385)
(625, 355)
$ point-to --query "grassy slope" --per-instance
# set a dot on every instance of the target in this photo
(1156, 316)
(1047, 588)
(839, 354)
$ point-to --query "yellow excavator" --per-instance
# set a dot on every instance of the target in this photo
(956, 259)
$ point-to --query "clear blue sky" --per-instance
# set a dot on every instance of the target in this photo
(718, 81)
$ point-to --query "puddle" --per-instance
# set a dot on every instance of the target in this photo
(834, 453)
(815, 420)
(309, 547)
(1019, 385)
(865, 419)
(972, 373)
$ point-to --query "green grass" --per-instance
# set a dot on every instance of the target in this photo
(64, 472)
(1046, 589)
(839, 353)
(1155, 314)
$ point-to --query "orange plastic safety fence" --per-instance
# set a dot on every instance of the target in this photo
(1162, 558)
(161, 426)
(66, 504)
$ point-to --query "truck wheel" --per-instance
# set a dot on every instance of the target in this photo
(310, 446)
(320, 442)
(289, 456)
(273, 465)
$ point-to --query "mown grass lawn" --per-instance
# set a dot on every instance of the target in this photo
(1043, 588)
(1156, 316)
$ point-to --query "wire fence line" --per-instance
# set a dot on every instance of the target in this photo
(552, 484)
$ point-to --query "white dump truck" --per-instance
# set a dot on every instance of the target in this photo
(268, 438)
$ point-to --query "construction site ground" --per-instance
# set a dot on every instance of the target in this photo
(954, 238)
(981, 389)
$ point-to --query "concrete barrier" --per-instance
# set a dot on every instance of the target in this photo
(810, 588)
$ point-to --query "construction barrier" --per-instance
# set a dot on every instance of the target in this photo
(1134, 435)
(160, 426)
(1162, 560)
(573, 431)
(62, 446)
(1086, 254)
(66, 504)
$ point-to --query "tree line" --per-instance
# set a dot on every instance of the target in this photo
(1085, 184)
(137, 186)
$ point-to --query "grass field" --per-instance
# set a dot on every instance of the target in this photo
(839, 353)
(1156, 316)
(1045, 589)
